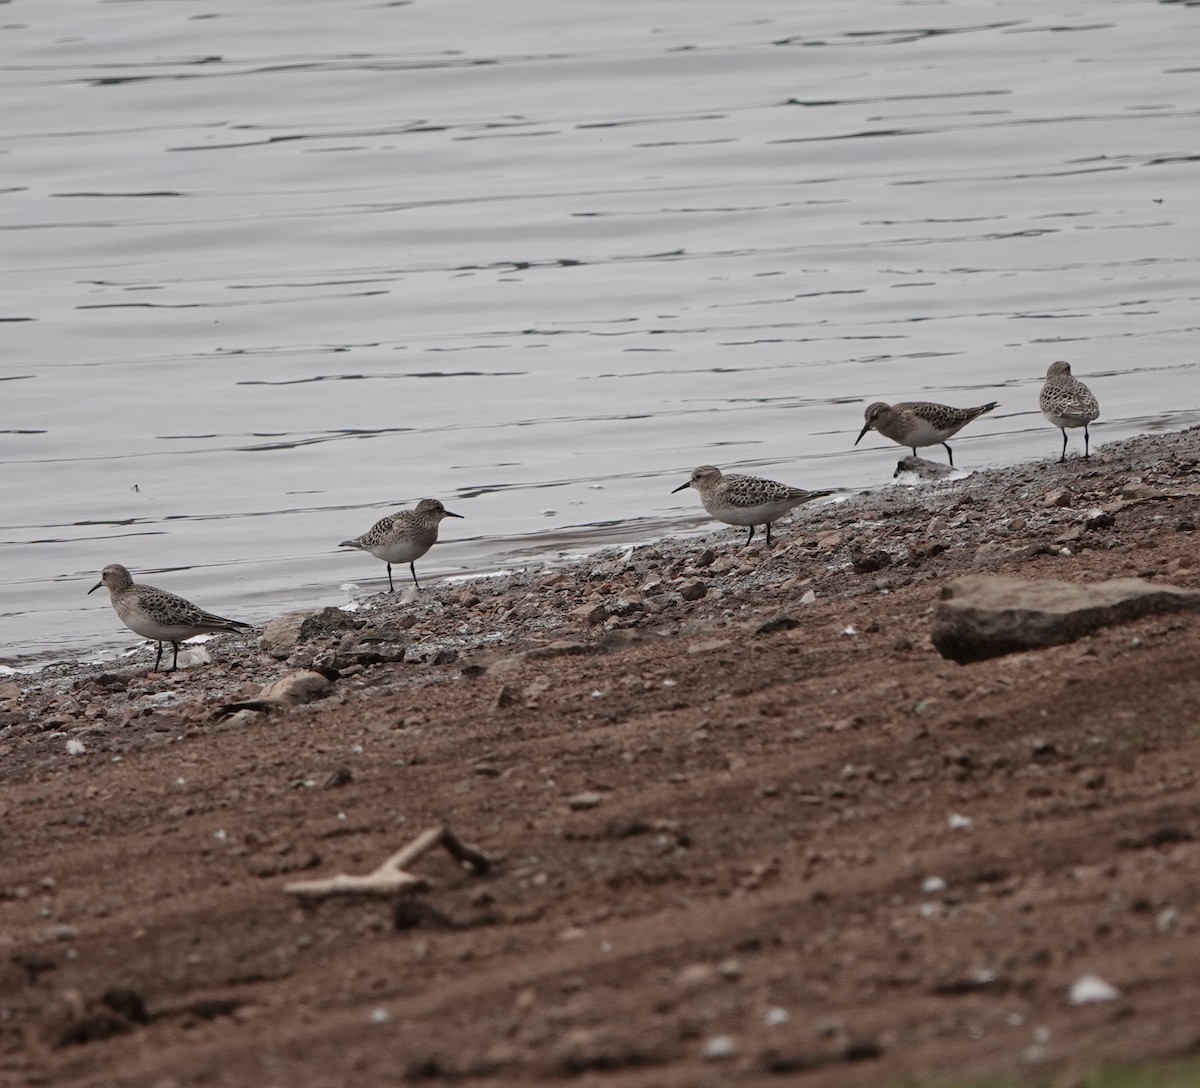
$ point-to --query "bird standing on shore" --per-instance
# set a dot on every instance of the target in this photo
(403, 537)
(158, 615)
(746, 500)
(1067, 402)
(919, 423)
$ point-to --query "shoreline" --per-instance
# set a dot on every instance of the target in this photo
(934, 475)
(428, 622)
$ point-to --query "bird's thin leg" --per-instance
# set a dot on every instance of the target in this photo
(158, 658)
(951, 452)
(1085, 440)
(751, 536)
(413, 567)
(768, 533)
(391, 584)
(175, 659)
(1064, 452)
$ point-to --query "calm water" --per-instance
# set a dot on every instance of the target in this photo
(272, 269)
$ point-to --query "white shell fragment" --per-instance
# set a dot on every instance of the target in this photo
(1088, 989)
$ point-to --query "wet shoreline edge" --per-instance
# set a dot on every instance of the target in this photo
(543, 601)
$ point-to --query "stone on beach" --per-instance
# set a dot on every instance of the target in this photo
(922, 469)
(982, 616)
(284, 633)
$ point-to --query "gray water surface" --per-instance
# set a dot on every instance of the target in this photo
(273, 269)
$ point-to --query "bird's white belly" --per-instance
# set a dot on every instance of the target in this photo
(400, 551)
(923, 435)
(1066, 421)
(762, 514)
(161, 632)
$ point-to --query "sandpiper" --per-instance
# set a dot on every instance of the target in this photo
(919, 423)
(403, 537)
(1067, 402)
(746, 500)
(157, 614)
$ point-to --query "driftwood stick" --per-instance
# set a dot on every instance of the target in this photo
(471, 856)
(380, 882)
(392, 876)
(421, 845)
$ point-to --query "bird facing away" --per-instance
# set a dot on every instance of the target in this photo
(298, 687)
(157, 614)
(1067, 402)
(403, 537)
(746, 500)
(919, 423)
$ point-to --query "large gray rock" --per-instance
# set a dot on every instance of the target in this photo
(982, 616)
(919, 467)
(284, 633)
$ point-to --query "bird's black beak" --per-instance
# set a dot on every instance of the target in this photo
(681, 487)
(450, 515)
(95, 587)
(866, 427)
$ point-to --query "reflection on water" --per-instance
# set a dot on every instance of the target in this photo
(266, 278)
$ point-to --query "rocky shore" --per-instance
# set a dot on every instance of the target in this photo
(748, 820)
(885, 538)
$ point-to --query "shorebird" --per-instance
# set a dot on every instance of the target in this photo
(157, 614)
(1067, 402)
(919, 423)
(746, 500)
(403, 537)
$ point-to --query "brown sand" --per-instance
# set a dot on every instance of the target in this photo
(740, 838)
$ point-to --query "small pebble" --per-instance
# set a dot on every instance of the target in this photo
(718, 1048)
(1089, 989)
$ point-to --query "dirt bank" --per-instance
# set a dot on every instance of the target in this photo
(749, 826)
